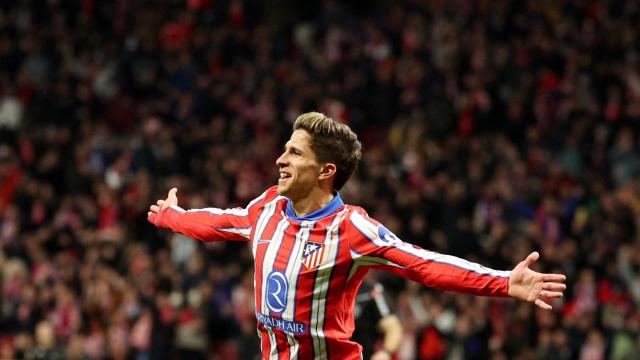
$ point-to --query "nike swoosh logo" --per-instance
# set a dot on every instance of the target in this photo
(263, 241)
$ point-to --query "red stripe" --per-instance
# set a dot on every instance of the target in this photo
(261, 250)
(265, 342)
(304, 295)
(284, 253)
(203, 226)
(283, 345)
(340, 323)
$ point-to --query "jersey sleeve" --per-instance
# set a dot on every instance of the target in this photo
(208, 224)
(372, 244)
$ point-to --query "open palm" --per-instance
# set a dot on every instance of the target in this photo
(531, 286)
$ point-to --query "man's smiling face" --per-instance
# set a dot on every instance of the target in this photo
(298, 167)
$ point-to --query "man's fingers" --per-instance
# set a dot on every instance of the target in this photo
(554, 286)
(543, 305)
(532, 258)
(172, 194)
(558, 278)
(172, 199)
(551, 294)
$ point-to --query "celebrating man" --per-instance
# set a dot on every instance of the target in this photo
(312, 251)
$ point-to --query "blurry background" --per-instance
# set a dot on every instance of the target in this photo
(490, 129)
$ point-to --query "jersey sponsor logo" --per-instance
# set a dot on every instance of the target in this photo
(277, 289)
(292, 327)
(264, 241)
(312, 254)
(387, 236)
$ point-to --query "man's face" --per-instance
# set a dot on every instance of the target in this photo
(298, 166)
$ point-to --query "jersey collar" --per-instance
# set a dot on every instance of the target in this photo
(333, 205)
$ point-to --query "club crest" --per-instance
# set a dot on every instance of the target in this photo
(312, 254)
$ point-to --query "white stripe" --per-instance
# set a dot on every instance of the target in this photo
(452, 260)
(216, 211)
(294, 346)
(240, 231)
(319, 302)
(370, 230)
(292, 272)
(273, 353)
(234, 211)
(263, 220)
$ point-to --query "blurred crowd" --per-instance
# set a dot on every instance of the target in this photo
(490, 129)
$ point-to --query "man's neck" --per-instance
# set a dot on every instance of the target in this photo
(313, 202)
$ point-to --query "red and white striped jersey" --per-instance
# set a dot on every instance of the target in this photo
(308, 269)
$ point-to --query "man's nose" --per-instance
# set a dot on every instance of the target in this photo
(281, 160)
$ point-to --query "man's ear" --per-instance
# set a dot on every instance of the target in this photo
(328, 170)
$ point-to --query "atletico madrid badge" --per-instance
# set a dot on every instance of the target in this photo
(312, 254)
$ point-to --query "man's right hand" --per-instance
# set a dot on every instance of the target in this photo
(171, 200)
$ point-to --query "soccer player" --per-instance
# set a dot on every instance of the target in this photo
(311, 250)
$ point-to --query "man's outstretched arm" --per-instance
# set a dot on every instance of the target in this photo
(209, 224)
(374, 245)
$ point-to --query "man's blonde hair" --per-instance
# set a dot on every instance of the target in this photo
(332, 142)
